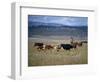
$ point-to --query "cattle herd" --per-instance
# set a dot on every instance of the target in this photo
(72, 45)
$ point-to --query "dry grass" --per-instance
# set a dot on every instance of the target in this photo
(52, 57)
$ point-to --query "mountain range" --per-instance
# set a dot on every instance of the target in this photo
(54, 29)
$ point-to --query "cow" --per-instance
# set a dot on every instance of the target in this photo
(79, 44)
(49, 47)
(66, 46)
(38, 44)
(57, 47)
(75, 43)
(40, 47)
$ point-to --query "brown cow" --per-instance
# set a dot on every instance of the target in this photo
(75, 44)
(49, 47)
(79, 44)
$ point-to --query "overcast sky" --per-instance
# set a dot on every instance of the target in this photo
(65, 20)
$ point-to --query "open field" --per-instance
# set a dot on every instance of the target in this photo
(53, 57)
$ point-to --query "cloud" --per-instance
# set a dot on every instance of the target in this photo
(65, 20)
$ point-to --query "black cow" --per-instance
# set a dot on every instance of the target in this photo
(38, 44)
(67, 46)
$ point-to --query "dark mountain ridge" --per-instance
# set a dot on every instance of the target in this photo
(54, 29)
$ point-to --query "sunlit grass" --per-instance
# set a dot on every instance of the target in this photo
(52, 57)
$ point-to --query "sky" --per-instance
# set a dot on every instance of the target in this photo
(65, 20)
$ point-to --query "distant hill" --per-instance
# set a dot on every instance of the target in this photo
(54, 29)
(33, 24)
(30, 23)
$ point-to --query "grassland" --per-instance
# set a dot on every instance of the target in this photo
(52, 57)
